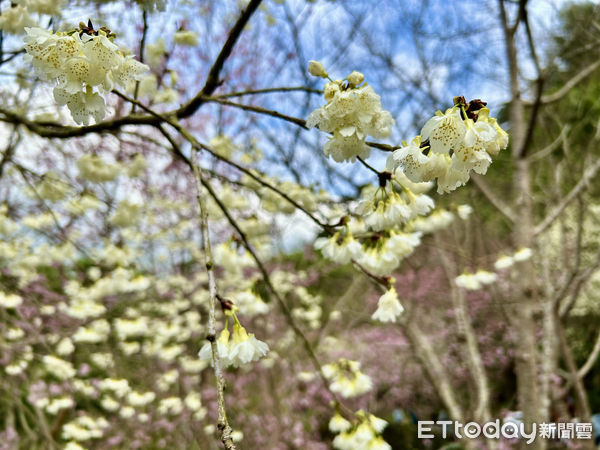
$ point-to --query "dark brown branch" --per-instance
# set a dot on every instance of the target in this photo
(212, 81)
(270, 91)
(539, 83)
(141, 56)
(211, 84)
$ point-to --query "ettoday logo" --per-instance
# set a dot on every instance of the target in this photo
(507, 430)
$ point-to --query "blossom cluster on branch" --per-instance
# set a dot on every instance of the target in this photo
(83, 64)
(451, 145)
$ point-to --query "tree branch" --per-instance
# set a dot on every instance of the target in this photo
(566, 87)
(495, 201)
(212, 81)
(579, 187)
(222, 423)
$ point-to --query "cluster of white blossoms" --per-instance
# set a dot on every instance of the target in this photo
(352, 112)
(52, 187)
(250, 304)
(20, 13)
(53, 406)
(381, 254)
(389, 307)
(384, 253)
(186, 37)
(451, 145)
(58, 367)
(83, 64)
(346, 378)
(505, 262)
(390, 208)
(365, 433)
(437, 220)
(482, 278)
(475, 281)
(93, 168)
(340, 247)
(387, 225)
(10, 301)
(231, 257)
(84, 428)
(243, 348)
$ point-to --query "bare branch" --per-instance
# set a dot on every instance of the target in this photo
(589, 363)
(270, 91)
(141, 56)
(211, 84)
(222, 423)
(579, 187)
(541, 154)
(567, 86)
(493, 199)
(465, 328)
(434, 368)
(212, 81)
(282, 304)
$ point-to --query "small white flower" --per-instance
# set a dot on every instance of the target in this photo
(377, 423)
(205, 352)
(378, 443)
(120, 387)
(223, 350)
(171, 406)
(504, 262)
(390, 212)
(15, 18)
(73, 446)
(339, 249)
(59, 403)
(65, 347)
(347, 379)
(60, 368)
(468, 281)
(522, 255)
(245, 348)
(485, 277)
(419, 164)
(464, 211)
(356, 78)
(10, 301)
(388, 307)
(237, 436)
(451, 179)
(185, 37)
(136, 399)
(444, 131)
(338, 424)
(95, 169)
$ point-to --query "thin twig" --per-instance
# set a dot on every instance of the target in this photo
(265, 274)
(141, 56)
(213, 81)
(269, 91)
(222, 423)
(577, 189)
(493, 199)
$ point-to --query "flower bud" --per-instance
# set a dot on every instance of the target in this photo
(330, 90)
(355, 78)
(315, 68)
